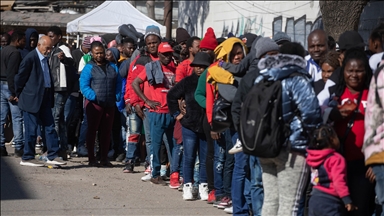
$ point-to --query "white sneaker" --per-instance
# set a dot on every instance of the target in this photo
(229, 210)
(203, 191)
(146, 178)
(238, 147)
(32, 162)
(187, 191)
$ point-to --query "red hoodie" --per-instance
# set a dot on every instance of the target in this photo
(336, 169)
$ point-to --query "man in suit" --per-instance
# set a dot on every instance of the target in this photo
(34, 88)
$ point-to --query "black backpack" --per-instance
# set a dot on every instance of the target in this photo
(262, 128)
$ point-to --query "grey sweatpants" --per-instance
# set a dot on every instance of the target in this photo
(284, 179)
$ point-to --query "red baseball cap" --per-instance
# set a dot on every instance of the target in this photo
(164, 47)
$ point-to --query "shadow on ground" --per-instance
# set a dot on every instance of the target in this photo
(11, 187)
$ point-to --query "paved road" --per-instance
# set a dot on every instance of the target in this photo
(71, 191)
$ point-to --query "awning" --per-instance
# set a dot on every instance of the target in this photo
(45, 19)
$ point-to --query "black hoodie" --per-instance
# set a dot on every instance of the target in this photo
(28, 48)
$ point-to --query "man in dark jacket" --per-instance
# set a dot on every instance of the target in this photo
(31, 37)
(62, 68)
(10, 61)
(33, 86)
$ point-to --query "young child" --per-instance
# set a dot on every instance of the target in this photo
(330, 191)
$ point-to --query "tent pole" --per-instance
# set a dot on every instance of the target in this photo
(78, 40)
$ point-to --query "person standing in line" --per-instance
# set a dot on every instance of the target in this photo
(10, 61)
(100, 83)
(34, 90)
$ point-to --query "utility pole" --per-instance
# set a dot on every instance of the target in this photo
(168, 6)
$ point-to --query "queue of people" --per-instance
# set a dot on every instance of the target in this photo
(177, 107)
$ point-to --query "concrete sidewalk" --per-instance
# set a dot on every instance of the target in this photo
(80, 190)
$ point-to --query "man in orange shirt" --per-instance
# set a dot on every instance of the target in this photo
(184, 69)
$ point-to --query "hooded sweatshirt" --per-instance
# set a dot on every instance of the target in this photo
(335, 167)
(28, 48)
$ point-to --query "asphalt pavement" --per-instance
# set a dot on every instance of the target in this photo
(77, 189)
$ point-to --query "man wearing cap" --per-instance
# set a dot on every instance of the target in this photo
(160, 75)
(135, 106)
(347, 40)
(317, 48)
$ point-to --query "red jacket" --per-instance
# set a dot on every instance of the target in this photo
(211, 95)
(336, 169)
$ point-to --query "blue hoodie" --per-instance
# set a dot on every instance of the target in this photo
(28, 48)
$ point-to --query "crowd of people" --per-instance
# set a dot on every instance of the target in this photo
(175, 107)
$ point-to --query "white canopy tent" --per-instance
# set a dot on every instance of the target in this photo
(108, 16)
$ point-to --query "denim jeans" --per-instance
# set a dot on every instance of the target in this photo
(135, 128)
(59, 118)
(256, 185)
(177, 158)
(45, 117)
(160, 124)
(194, 142)
(17, 118)
(378, 170)
(124, 129)
(219, 160)
(241, 183)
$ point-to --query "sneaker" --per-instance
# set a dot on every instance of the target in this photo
(174, 180)
(203, 191)
(148, 170)
(32, 162)
(3, 151)
(211, 197)
(120, 157)
(216, 203)
(187, 192)
(82, 152)
(158, 181)
(56, 161)
(163, 171)
(128, 167)
(146, 178)
(13, 145)
(19, 153)
(229, 210)
(225, 202)
(238, 147)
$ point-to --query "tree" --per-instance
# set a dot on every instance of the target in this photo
(341, 16)
(151, 9)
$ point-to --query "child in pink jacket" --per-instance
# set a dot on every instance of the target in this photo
(330, 192)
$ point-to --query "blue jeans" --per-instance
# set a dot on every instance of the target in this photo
(45, 117)
(256, 187)
(135, 128)
(160, 124)
(218, 161)
(241, 185)
(17, 118)
(59, 118)
(177, 158)
(124, 129)
(194, 142)
(378, 170)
